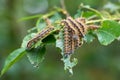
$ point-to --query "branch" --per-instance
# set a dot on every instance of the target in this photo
(64, 8)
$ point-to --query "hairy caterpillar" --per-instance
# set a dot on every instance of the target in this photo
(67, 38)
(44, 33)
(81, 23)
(67, 41)
(74, 31)
(76, 26)
(71, 38)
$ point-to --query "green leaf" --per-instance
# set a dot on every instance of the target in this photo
(12, 59)
(104, 37)
(89, 38)
(26, 39)
(109, 32)
(111, 27)
(55, 17)
(60, 42)
(68, 64)
(87, 7)
(36, 55)
(31, 29)
(41, 25)
(78, 14)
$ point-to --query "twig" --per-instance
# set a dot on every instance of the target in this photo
(40, 15)
(101, 20)
(64, 8)
(63, 4)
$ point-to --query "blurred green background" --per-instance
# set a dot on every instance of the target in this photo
(96, 62)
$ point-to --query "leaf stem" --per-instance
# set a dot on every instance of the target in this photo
(62, 2)
(100, 20)
(41, 15)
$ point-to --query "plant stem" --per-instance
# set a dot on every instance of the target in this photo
(64, 8)
(41, 15)
(100, 20)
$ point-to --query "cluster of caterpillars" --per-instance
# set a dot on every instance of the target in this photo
(74, 32)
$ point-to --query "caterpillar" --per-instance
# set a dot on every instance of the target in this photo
(81, 23)
(69, 41)
(74, 31)
(67, 38)
(71, 38)
(76, 26)
(77, 37)
(75, 40)
(41, 35)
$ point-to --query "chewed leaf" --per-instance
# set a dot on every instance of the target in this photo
(26, 39)
(36, 55)
(59, 42)
(68, 64)
(104, 37)
(12, 59)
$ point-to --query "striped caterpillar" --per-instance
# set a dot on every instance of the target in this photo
(74, 31)
(67, 40)
(41, 35)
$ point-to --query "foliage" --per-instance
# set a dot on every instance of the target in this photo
(109, 31)
(12, 58)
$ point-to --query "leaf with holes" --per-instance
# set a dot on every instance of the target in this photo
(36, 55)
(68, 64)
